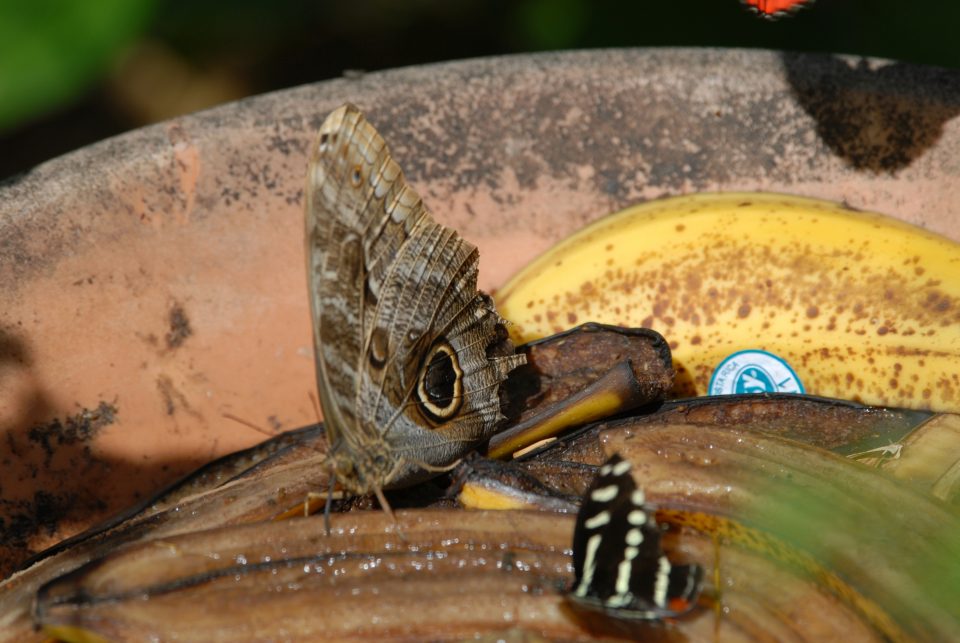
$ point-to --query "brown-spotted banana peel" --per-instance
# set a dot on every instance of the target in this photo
(862, 306)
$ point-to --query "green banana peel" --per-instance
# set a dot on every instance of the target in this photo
(880, 546)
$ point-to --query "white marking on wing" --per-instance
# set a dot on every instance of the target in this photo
(589, 565)
(599, 520)
(624, 572)
(604, 494)
(662, 583)
(621, 468)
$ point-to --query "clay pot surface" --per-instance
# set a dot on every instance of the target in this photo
(153, 284)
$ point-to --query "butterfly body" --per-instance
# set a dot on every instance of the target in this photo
(410, 356)
(619, 566)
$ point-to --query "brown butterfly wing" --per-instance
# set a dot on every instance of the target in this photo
(410, 356)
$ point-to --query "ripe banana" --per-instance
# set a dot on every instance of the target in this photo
(855, 305)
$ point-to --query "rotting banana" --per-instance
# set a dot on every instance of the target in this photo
(855, 305)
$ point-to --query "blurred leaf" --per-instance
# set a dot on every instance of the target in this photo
(50, 50)
(553, 24)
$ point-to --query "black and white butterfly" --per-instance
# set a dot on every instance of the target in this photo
(620, 568)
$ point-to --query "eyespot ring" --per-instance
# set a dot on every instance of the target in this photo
(440, 383)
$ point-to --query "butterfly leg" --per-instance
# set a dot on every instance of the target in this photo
(387, 509)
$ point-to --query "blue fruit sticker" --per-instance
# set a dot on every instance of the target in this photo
(754, 371)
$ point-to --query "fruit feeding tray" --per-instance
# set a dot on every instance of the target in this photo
(155, 311)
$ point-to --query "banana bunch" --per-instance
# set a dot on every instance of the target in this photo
(763, 292)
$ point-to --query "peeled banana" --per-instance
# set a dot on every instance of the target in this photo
(763, 292)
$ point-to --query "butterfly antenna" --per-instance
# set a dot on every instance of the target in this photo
(240, 420)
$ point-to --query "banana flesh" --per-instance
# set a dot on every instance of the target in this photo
(861, 306)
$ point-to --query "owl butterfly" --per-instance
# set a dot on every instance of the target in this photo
(773, 9)
(409, 355)
(619, 566)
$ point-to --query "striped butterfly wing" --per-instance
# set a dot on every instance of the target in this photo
(619, 566)
(410, 356)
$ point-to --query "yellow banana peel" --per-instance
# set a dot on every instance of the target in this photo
(851, 304)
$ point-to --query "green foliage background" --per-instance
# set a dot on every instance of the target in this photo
(51, 50)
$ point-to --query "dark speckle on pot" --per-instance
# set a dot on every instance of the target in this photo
(180, 328)
(82, 427)
(173, 398)
(49, 457)
(288, 137)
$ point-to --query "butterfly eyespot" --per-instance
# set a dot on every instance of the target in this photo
(356, 176)
(440, 384)
(323, 140)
